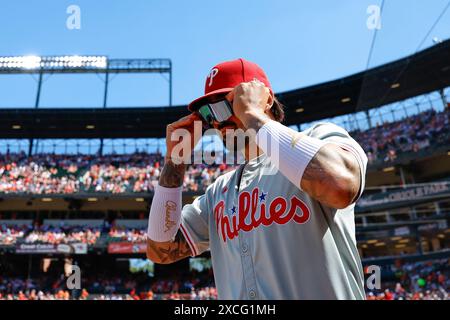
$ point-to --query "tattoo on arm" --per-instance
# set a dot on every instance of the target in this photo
(169, 251)
(332, 177)
(172, 175)
(315, 175)
(315, 170)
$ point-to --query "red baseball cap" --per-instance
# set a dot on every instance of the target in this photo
(226, 75)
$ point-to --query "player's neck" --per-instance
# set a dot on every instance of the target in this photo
(250, 154)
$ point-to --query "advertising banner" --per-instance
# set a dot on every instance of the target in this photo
(36, 248)
(127, 247)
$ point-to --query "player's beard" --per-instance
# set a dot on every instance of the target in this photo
(236, 148)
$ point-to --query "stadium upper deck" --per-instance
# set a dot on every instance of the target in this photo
(423, 72)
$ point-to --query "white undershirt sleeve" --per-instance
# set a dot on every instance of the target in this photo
(165, 214)
(289, 151)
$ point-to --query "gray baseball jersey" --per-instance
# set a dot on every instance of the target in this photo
(271, 240)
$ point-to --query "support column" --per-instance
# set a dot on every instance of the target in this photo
(36, 105)
(444, 99)
(38, 94)
(419, 242)
(369, 119)
(402, 177)
(105, 100)
(413, 213)
(170, 85)
(437, 208)
(364, 221)
(388, 217)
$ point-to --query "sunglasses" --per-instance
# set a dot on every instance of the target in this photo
(218, 111)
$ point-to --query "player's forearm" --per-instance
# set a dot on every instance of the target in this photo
(165, 243)
(168, 251)
(172, 175)
(165, 211)
(332, 177)
(254, 120)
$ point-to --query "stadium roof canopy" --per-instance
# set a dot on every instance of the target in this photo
(423, 72)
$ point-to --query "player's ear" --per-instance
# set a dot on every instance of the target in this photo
(270, 101)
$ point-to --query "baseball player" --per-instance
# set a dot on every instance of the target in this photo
(280, 226)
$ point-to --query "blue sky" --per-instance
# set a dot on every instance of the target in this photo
(298, 43)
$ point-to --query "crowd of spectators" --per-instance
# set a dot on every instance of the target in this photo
(198, 286)
(68, 233)
(9, 234)
(139, 172)
(52, 173)
(427, 280)
(415, 281)
(66, 174)
(128, 234)
(63, 234)
(208, 293)
(388, 140)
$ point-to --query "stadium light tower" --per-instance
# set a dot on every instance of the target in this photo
(82, 64)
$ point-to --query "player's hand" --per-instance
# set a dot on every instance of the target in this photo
(251, 103)
(182, 132)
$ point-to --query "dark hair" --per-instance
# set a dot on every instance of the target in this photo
(277, 110)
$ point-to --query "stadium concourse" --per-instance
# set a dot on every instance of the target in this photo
(62, 211)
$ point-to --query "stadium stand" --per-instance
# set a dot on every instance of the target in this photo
(139, 172)
(90, 210)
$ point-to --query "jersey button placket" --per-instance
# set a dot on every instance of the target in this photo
(244, 248)
(247, 266)
(246, 257)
